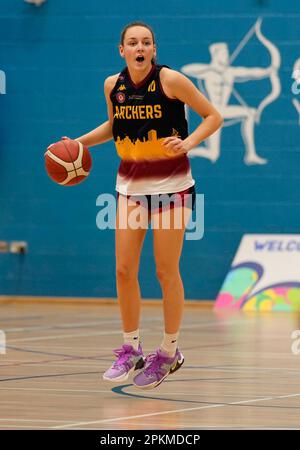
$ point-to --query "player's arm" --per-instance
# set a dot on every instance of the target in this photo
(180, 87)
(103, 133)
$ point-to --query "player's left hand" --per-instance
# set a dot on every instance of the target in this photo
(175, 145)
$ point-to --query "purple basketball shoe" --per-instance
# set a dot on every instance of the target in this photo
(128, 360)
(158, 366)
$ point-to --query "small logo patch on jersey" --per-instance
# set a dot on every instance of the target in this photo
(152, 86)
(122, 87)
(136, 97)
(120, 97)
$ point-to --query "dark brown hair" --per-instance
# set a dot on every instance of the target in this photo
(137, 24)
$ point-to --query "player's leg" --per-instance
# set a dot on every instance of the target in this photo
(128, 246)
(168, 245)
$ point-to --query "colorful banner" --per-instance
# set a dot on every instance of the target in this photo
(264, 276)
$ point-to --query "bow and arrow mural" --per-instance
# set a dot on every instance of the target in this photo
(218, 79)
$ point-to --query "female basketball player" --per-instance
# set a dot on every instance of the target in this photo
(147, 122)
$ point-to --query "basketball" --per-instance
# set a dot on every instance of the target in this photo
(68, 162)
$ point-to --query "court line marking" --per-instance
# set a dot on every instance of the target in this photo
(240, 368)
(93, 323)
(17, 427)
(187, 427)
(34, 420)
(103, 333)
(216, 427)
(175, 411)
(65, 336)
(12, 318)
(31, 377)
(97, 391)
(92, 391)
(72, 325)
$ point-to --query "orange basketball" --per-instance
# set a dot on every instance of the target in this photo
(68, 162)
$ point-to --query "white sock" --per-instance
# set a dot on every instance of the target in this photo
(169, 343)
(132, 338)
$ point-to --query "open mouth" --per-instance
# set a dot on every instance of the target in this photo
(140, 59)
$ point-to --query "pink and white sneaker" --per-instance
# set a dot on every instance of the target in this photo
(128, 360)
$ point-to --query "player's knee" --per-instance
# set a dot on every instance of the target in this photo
(125, 272)
(166, 274)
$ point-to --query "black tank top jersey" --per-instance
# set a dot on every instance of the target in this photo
(143, 117)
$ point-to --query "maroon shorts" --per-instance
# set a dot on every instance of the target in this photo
(163, 202)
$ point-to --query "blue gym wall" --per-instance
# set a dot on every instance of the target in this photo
(56, 58)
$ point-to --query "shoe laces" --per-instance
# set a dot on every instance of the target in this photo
(123, 354)
(154, 363)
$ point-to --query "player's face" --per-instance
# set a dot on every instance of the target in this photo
(138, 48)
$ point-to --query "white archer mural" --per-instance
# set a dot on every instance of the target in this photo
(217, 79)
(295, 88)
(2, 82)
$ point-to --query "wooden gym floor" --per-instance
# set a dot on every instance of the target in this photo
(239, 371)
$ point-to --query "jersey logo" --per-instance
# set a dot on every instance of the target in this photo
(136, 97)
(152, 86)
(122, 88)
(120, 97)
